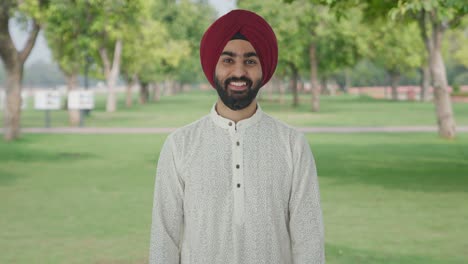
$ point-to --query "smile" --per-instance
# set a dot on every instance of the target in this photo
(238, 84)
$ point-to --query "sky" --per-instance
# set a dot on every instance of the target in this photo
(41, 51)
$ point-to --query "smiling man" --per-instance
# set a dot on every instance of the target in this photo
(237, 186)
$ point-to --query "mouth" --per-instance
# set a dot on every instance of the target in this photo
(237, 85)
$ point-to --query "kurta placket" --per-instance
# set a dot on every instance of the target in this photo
(236, 134)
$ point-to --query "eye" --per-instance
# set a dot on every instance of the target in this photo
(228, 60)
(250, 62)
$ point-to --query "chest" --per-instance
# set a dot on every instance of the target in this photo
(256, 168)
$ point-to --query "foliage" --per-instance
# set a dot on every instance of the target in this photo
(397, 47)
(68, 34)
(186, 22)
(442, 11)
(43, 75)
(292, 43)
(454, 46)
(339, 43)
(149, 50)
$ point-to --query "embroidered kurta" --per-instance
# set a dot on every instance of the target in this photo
(236, 193)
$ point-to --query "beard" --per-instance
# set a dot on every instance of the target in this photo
(237, 100)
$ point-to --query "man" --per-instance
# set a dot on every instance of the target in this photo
(237, 186)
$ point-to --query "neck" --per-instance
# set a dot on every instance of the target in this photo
(238, 115)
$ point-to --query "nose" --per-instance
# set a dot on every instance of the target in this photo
(239, 70)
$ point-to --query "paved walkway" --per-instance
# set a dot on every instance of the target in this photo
(162, 130)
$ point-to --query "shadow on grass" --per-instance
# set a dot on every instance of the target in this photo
(345, 255)
(21, 151)
(415, 167)
(13, 155)
(6, 177)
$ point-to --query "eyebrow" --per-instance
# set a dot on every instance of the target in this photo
(233, 54)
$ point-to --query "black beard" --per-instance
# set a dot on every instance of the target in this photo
(237, 100)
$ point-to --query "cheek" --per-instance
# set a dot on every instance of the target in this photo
(258, 73)
(220, 73)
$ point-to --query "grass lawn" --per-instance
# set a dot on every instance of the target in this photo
(175, 111)
(387, 198)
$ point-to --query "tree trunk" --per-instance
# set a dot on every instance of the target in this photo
(274, 88)
(282, 92)
(144, 92)
(294, 77)
(425, 82)
(156, 92)
(442, 100)
(129, 91)
(112, 73)
(347, 84)
(428, 24)
(300, 85)
(425, 69)
(394, 81)
(168, 87)
(73, 114)
(13, 62)
(314, 78)
(12, 110)
(129, 95)
(324, 86)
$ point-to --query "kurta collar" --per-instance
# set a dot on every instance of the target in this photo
(229, 124)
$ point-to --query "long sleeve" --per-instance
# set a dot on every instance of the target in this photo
(305, 214)
(168, 217)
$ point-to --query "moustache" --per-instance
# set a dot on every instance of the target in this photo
(238, 79)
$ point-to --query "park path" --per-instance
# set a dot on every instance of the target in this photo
(164, 130)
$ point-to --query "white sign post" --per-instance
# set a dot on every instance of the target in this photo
(47, 100)
(24, 99)
(81, 100)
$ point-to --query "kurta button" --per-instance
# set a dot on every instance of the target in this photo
(238, 143)
(237, 166)
(230, 123)
(238, 185)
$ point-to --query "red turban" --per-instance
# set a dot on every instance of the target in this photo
(257, 31)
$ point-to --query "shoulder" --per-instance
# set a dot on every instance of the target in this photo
(283, 130)
(187, 130)
(183, 136)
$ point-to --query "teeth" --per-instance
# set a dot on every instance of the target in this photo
(238, 83)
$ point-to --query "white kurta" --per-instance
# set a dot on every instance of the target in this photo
(244, 193)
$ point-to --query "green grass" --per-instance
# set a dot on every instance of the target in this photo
(387, 198)
(175, 111)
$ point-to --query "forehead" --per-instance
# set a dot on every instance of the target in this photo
(239, 46)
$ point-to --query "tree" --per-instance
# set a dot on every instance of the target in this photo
(397, 48)
(149, 52)
(291, 43)
(109, 22)
(434, 18)
(186, 22)
(340, 45)
(67, 35)
(309, 37)
(31, 13)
